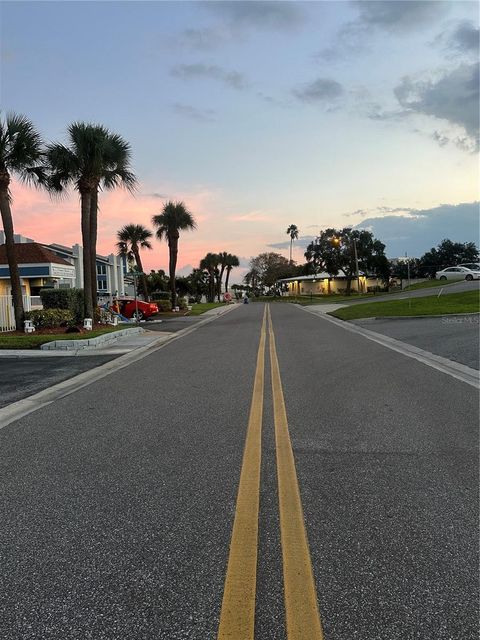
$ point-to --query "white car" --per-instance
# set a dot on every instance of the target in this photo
(457, 273)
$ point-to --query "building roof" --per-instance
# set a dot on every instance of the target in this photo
(31, 253)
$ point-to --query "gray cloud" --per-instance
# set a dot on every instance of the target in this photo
(188, 111)
(233, 79)
(463, 40)
(204, 39)
(399, 15)
(454, 97)
(259, 14)
(394, 16)
(320, 90)
(302, 242)
(416, 232)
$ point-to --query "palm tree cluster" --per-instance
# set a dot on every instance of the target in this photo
(216, 265)
(93, 160)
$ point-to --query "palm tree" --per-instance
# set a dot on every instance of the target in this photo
(223, 260)
(232, 261)
(174, 218)
(95, 159)
(210, 264)
(132, 238)
(293, 232)
(20, 154)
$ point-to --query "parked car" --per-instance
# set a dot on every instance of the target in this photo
(457, 273)
(140, 309)
(473, 266)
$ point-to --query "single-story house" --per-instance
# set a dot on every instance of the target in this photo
(324, 284)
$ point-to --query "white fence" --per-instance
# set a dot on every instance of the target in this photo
(7, 317)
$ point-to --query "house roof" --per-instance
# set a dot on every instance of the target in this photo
(319, 276)
(31, 253)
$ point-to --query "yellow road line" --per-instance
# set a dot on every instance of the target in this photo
(237, 618)
(301, 607)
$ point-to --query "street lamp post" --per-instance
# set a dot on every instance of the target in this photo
(356, 264)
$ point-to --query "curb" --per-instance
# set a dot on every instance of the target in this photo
(90, 343)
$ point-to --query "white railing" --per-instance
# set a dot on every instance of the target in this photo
(7, 317)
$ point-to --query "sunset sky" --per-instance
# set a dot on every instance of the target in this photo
(258, 115)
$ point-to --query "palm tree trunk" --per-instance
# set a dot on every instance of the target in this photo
(93, 246)
(227, 277)
(138, 260)
(172, 265)
(15, 283)
(291, 242)
(87, 267)
(222, 270)
(211, 286)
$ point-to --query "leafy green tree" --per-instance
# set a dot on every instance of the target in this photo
(20, 155)
(448, 254)
(175, 217)
(266, 269)
(292, 231)
(132, 238)
(334, 251)
(95, 159)
(198, 282)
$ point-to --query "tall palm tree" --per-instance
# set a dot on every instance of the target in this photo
(232, 261)
(95, 159)
(21, 155)
(293, 232)
(175, 217)
(223, 261)
(132, 238)
(210, 264)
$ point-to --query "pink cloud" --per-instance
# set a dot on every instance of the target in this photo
(48, 220)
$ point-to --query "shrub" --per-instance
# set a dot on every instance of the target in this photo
(164, 305)
(181, 303)
(50, 318)
(71, 299)
(160, 295)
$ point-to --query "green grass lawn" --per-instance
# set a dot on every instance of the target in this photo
(465, 302)
(33, 341)
(201, 307)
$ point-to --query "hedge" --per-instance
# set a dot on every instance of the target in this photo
(164, 305)
(71, 299)
(50, 318)
(161, 295)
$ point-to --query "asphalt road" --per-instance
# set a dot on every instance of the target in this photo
(117, 501)
(452, 337)
(450, 287)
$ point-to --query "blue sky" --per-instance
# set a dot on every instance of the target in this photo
(260, 114)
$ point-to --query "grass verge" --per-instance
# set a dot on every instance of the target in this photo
(465, 302)
(33, 341)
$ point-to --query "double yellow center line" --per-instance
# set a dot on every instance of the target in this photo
(237, 618)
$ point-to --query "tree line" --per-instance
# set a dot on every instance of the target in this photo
(344, 250)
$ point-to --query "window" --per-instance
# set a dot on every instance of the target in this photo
(101, 269)
(101, 284)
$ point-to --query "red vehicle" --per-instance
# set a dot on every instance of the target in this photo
(139, 310)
